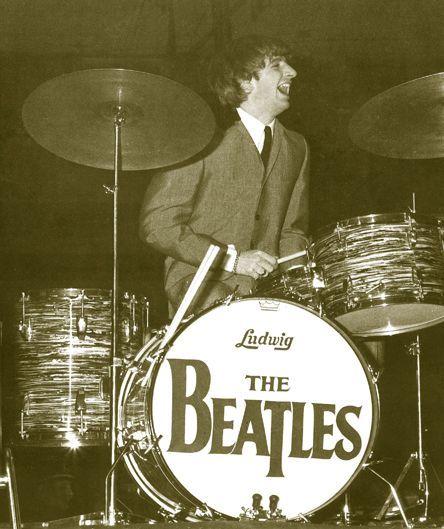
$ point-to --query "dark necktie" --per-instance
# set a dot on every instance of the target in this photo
(265, 153)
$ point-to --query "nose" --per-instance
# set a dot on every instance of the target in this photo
(289, 71)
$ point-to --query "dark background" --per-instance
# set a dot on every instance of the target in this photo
(56, 219)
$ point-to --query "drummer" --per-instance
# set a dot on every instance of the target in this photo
(247, 193)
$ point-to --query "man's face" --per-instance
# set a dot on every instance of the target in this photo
(270, 93)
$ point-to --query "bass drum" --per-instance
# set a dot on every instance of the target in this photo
(257, 397)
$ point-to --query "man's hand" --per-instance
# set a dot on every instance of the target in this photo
(255, 263)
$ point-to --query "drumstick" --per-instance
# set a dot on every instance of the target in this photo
(291, 256)
(202, 271)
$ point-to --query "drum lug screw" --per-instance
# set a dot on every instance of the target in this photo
(350, 298)
(339, 230)
(418, 282)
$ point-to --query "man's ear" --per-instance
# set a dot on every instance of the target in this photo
(247, 85)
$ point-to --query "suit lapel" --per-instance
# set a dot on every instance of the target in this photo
(249, 140)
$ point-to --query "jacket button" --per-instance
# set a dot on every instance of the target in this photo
(257, 216)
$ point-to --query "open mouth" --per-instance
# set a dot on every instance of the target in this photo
(284, 88)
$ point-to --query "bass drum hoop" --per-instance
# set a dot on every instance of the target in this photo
(166, 502)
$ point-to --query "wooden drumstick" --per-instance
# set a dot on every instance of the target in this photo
(291, 256)
(198, 278)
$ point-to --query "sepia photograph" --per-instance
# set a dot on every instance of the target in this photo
(222, 263)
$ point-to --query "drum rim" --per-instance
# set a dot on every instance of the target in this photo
(365, 365)
(375, 219)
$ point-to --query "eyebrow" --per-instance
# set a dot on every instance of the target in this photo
(277, 58)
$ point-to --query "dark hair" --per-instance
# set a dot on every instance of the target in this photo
(241, 60)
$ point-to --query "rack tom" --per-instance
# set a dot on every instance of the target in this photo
(62, 347)
(384, 274)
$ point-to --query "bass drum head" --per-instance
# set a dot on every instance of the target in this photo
(262, 396)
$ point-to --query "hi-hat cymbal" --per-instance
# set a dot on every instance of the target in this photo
(406, 121)
(72, 116)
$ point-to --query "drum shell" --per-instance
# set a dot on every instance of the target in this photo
(384, 274)
(295, 284)
(61, 363)
(136, 418)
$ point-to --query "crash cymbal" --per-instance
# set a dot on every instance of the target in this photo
(72, 116)
(406, 121)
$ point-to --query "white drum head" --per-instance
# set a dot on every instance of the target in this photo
(263, 396)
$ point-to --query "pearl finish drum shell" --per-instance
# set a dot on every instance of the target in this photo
(384, 274)
(295, 284)
(58, 369)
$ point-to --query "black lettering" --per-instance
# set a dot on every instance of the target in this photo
(320, 430)
(267, 381)
(180, 401)
(348, 432)
(277, 434)
(220, 424)
(252, 416)
(297, 433)
(253, 379)
(283, 384)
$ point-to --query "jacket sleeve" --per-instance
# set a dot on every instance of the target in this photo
(295, 228)
(166, 209)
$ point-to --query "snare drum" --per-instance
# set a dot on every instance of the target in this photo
(258, 397)
(62, 346)
(384, 274)
(301, 284)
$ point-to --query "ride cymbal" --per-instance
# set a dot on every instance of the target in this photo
(73, 115)
(406, 121)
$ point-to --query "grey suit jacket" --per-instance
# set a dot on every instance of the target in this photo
(226, 197)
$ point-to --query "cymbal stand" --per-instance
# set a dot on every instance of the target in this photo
(8, 480)
(419, 456)
(115, 359)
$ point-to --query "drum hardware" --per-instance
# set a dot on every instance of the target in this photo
(418, 457)
(24, 411)
(25, 329)
(177, 515)
(393, 492)
(417, 279)
(227, 301)
(8, 480)
(258, 513)
(80, 408)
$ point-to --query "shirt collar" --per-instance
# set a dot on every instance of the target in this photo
(254, 127)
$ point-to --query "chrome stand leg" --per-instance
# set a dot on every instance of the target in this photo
(10, 482)
(420, 457)
(345, 514)
(393, 494)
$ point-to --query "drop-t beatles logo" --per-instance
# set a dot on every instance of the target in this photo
(331, 435)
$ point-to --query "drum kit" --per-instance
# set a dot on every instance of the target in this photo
(269, 393)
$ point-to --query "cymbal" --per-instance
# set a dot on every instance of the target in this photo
(73, 115)
(406, 121)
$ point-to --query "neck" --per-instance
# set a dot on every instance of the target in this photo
(262, 115)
